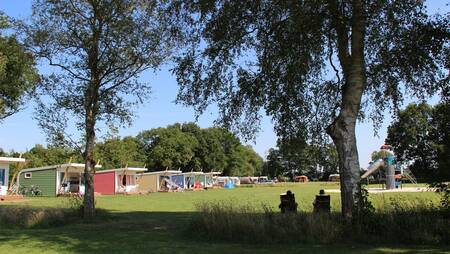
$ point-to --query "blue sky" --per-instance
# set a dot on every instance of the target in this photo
(20, 132)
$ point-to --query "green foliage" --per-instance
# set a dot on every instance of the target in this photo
(180, 146)
(168, 148)
(189, 148)
(274, 57)
(273, 166)
(75, 203)
(444, 191)
(440, 137)
(445, 201)
(252, 58)
(376, 155)
(118, 152)
(32, 191)
(299, 158)
(97, 49)
(421, 135)
(243, 161)
(40, 156)
(364, 207)
(18, 75)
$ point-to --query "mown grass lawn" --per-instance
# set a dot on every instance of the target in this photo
(157, 223)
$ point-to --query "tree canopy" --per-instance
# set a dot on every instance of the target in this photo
(168, 148)
(98, 48)
(292, 159)
(420, 136)
(314, 67)
(18, 74)
(187, 147)
(116, 152)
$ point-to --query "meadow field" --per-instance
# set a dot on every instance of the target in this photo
(159, 223)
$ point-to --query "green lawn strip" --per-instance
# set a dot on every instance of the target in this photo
(139, 232)
(157, 223)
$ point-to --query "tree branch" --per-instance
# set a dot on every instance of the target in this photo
(338, 24)
(77, 76)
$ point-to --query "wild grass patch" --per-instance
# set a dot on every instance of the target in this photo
(399, 222)
(27, 217)
(37, 217)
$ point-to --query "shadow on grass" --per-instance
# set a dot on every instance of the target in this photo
(157, 232)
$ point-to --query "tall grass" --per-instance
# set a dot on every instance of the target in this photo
(398, 222)
(248, 223)
(33, 217)
(27, 217)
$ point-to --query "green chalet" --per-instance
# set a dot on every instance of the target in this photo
(54, 180)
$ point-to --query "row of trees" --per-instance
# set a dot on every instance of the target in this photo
(376, 50)
(185, 147)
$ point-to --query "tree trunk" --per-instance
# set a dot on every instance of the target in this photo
(91, 109)
(89, 170)
(342, 130)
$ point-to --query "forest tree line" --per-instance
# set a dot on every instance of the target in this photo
(187, 147)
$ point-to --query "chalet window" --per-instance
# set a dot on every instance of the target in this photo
(2, 177)
(28, 175)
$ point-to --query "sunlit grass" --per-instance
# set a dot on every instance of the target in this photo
(157, 222)
(269, 195)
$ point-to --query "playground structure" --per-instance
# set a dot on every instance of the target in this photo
(7, 188)
(393, 172)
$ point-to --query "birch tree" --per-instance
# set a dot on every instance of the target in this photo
(315, 67)
(97, 49)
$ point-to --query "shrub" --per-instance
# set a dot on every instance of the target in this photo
(75, 202)
(444, 190)
(33, 190)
